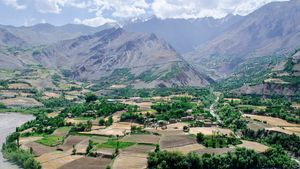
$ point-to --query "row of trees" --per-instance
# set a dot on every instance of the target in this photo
(239, 159)
(11, 150)
(217, 140)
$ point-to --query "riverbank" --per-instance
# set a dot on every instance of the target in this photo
(9, 122)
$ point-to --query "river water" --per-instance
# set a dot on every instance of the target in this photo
(8, 124)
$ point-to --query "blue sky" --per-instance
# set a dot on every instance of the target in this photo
(98, 12)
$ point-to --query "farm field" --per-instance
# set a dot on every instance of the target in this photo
(186, 148)
(295, 130)
(254, 146)
(129, 133)
(21, 102)
(62, 131)
(209, 130)
(119, 128)
(271, 120)
(281, 130)
(141, 138)
(169, 141)
(88, 163)
(39, 149)
(19, 86)
(134, 157)
(56, 159)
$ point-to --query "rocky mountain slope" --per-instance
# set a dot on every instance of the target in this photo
(272, 29)
(282, 79)
(118, 56)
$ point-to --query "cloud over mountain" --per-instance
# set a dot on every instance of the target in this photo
(97, 12)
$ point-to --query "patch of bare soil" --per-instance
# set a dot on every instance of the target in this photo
(88, 163)
(39, 149)
(138, 149)
(141, 138)
(209, 130)
(21, 102)
(169, 141)
(187, 148)
(56, 159)
(254, 146)
(53, 114)
(19, 86)
(281, 130)
(81, 147)
(72, 140)
(61, 132)
(295, 130)
(8, 94)
(120, 129)
(271, 120)
(25, 140)
(255, 125)
(48, 95)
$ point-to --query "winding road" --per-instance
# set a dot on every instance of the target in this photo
(212, 109)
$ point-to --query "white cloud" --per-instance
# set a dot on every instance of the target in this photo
(97, 21)
(203, 8)
(50, 6)
(79, 3)
(14, 3)
(121, 8)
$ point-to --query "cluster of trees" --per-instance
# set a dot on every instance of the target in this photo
(44, 124)
(276, 106)
(239, 159)
(231, 117)
(132, 115)
(100, 107)
(173, 110)
(204, 95)
(2, 106)
(11, 150)
(3, 84)
(217, 140)
(56, 102)
(108, 122)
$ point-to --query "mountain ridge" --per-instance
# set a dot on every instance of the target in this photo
(94, 57)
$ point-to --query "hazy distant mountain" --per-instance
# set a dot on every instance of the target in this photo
(47, 33)
(116, 55)
(9, 39)
(274, 28)
(184, 34)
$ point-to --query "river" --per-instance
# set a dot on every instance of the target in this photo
(8, 124)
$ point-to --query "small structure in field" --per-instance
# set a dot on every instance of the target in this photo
(209, 123)
(172, 121)
(187, 118)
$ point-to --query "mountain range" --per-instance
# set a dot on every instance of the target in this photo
(272, 29)
(141, 58)
(157, 52)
